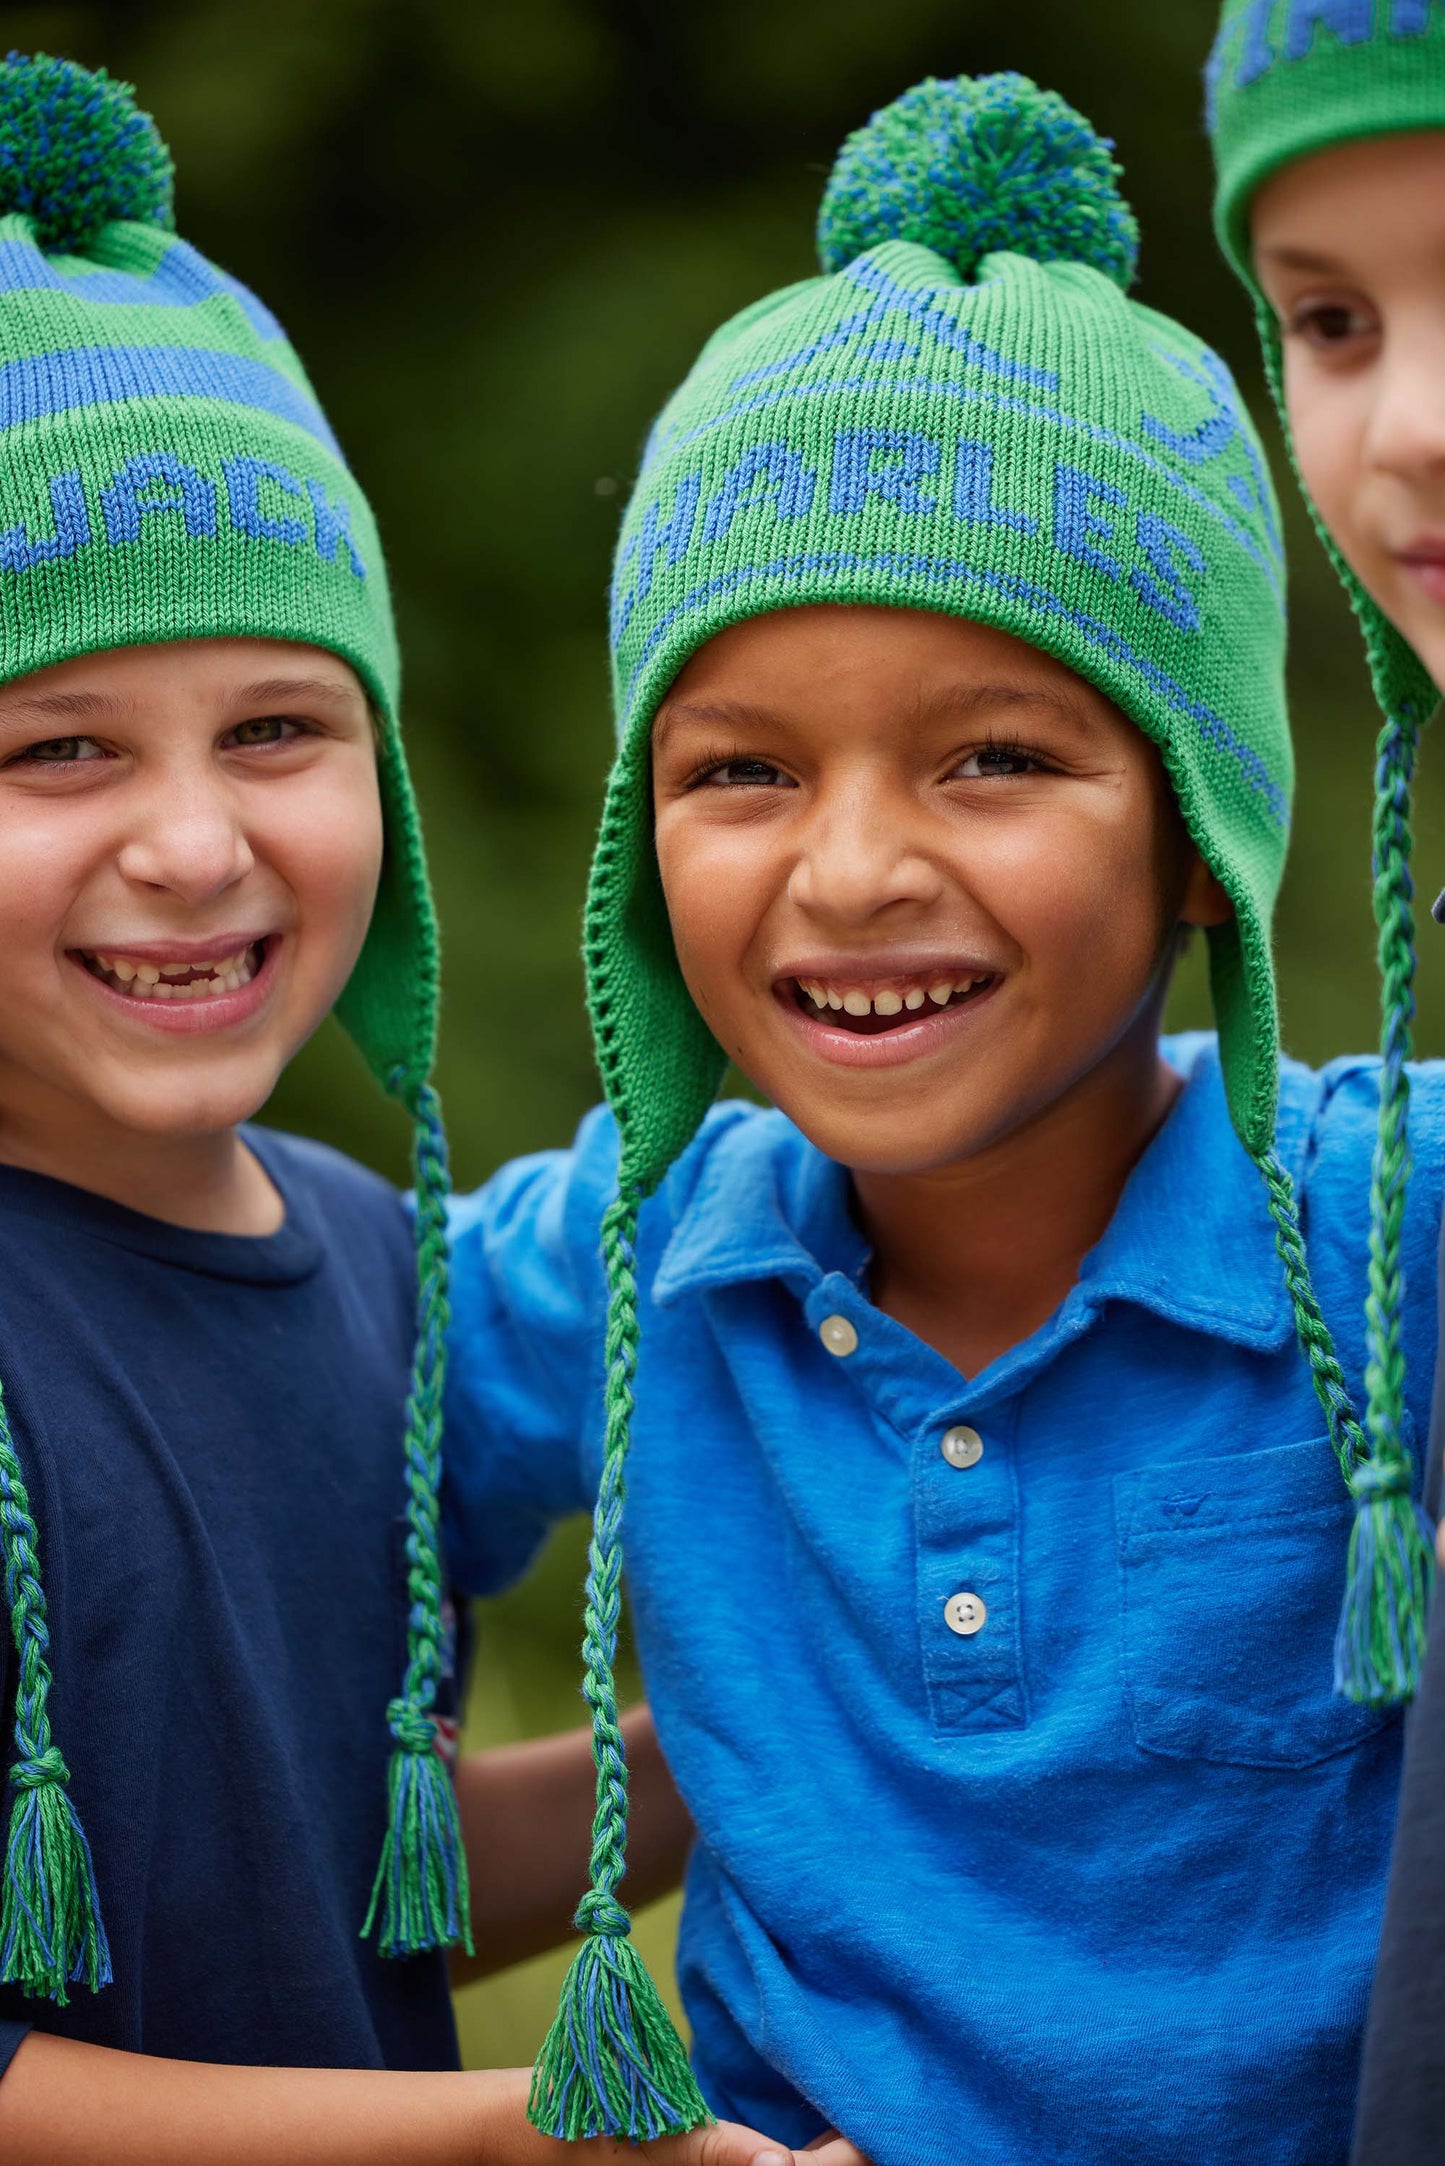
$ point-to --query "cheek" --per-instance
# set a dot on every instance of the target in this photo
(1088, 897)
(717, 883)
(326, 843)
(1327, 420)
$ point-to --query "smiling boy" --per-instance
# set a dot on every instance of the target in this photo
(234, 1857)
(984, 1535)
(1329, 134)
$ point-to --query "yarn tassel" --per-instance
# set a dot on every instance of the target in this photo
(1390, 1564)
(1381, 1638)
(421, 1891)
(421, 1894)
(51, 1933)
(612, 2063)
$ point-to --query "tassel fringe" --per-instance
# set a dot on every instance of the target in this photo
(613, 2064)
(1381, 1638)
(51, 1934)
(421, 1893)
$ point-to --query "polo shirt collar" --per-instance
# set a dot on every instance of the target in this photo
(1193, 1246)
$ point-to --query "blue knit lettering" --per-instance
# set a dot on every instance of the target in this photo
(855, 479)
(243, 492)
(333, 525)
(184, 490)
(1078, 522)
(653, 534)
(1257, 54)
(72, 529)
(1164, 545)
(973, 491)
(782, 475)
(1410, 18)
(1352, 21)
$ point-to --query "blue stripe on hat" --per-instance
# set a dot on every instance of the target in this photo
(182, 279)
(57, 383)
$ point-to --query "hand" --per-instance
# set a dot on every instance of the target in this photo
(830, 2149)
(835, 2150)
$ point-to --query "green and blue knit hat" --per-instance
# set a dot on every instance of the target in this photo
(1286, 79)
(168, 474)
(963, 413)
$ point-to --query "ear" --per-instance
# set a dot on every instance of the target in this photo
(1205, 902)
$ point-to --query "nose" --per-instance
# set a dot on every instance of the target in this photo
(1406, 433)
(861, 856)
(187, 838)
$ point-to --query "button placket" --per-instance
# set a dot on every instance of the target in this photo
(966, 1517)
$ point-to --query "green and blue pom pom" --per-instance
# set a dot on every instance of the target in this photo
(977, 166)
(77, 153)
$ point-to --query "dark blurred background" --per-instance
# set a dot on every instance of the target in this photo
(497, 231)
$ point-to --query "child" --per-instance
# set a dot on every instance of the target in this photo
(985, 1536)
(219, 1566)
(1329, 130)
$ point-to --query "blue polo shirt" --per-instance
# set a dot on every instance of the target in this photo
(1098, 1877)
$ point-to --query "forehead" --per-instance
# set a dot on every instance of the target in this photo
(826, 660)
(1390, 187)
(203, 672)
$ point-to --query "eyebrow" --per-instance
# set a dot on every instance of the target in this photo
(278, 691)
(65, 707)
(955, 702)
(1299, 259)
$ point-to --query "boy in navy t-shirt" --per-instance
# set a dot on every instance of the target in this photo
(229, 1670)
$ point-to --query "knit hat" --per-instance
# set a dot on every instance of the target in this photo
(168, 474)
(1288, 78)
(964, 414)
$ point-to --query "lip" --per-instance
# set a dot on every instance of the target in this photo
(1423, 561)
(872, 973)
(890, 1049)
(188, 1018)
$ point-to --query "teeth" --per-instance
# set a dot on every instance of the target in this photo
(120, 968)
(941, 994)
(147, 974)
(857, 1003)
(887, 1003)
(835, 1000)
(204, 979)
(915, 999)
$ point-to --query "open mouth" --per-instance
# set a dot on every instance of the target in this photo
(872, 1013)
(209, 978)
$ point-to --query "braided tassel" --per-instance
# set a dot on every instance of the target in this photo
(51, 1933)
(612, 2064)
(421, 1895)
(1381, 1638)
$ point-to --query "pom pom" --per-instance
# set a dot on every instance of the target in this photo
(981, 164)
(76, 152)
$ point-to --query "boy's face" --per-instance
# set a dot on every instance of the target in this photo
(190, 844)
(1349, 246)
(922, 879)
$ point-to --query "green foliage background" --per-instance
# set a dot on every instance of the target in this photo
(498, 230)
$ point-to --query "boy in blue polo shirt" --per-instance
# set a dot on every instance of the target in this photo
(995, 1469)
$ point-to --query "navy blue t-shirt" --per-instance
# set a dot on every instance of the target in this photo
(210, 1428)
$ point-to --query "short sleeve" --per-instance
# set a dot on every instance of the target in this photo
(12, 2038)
(525, 1354)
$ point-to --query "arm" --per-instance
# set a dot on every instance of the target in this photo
(66, 2104)
(526, 1820)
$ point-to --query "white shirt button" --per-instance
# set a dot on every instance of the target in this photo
(962, 1446)
(838, 1335)
(964, 1614)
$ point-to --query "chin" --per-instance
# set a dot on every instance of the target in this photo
(194, 1107)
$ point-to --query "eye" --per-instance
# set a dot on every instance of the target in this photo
(267, 729)
(1330, 325)
(58, 752)
(995, 761)
(742, 773)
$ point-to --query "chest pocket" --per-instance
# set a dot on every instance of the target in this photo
(1231, 1575)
